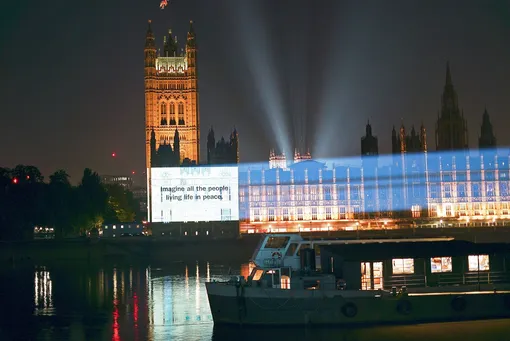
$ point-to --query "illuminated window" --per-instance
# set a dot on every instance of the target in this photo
(491, 209)
(328, 213)
(503, 188)
(314, 213)
(299, 213)
(402, 266)
(447, 191)
(478, 263)
(476, 193)
(327, 193)
(270, 194)
(172, 114)
(461, 190)
(163, 114)
(313, 193)
(477, 209)
(285, 214)
(181, 113)
(342, 213)
(256, 215)
(490, 190)
(271, 215)
(299, 194)
(416, 211)
(441, 264)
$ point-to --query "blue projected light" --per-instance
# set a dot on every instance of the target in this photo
(415, 185)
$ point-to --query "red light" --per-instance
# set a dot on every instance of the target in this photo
(114, 155)
(133, 172)
(15, 181)
(28, 177)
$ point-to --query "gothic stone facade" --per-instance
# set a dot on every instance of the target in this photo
(171, 95)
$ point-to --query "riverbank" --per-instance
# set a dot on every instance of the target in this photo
(207, 249)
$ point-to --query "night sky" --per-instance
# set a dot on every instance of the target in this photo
(72, 74)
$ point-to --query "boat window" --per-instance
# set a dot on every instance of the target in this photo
(440, 264)
(303, 246)
(291, 250)
(478, 263)
(403, 266)
(276, 242)
(258, 274)
(276, 279)
(285, 282)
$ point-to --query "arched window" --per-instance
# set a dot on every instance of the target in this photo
(181, 114)
(172, 114)
(163, 114)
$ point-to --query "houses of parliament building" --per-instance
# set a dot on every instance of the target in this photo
(450, 186)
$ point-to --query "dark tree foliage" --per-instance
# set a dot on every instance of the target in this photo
(26, 201)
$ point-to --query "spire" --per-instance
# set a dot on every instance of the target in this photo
(368, 129)
(423, 138)
(149, 37)
(487, 138)
(150, 49)
(149, 29)
(448, 81)
(191, 43)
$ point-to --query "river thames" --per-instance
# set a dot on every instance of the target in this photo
(163, 302)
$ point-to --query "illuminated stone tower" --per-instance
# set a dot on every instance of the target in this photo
(171, 96)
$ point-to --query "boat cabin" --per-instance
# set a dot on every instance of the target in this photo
(373, 266)
(284, 250)
(286, 278)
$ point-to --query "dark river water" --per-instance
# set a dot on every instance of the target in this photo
(164, 302)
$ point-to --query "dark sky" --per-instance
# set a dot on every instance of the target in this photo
(72, 73)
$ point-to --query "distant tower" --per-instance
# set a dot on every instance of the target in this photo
(298, 157)
(451, 126)
(423, 138)
(234, 142)
(402, 139)
(487, 138)
(211, 144)
(369, 143)
(402, 142)
(171, 95)
(277, 161)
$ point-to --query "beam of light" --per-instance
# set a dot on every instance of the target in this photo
(256, 51)
(298, 76)
(337, 76)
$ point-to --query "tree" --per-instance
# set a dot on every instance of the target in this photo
(92, 202)
(59, 203)
(122, 206)
(22, 201)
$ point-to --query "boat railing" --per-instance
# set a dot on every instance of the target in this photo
(476, 277)
(448, 279)
(406, 280)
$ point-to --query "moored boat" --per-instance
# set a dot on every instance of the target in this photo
(356, 288)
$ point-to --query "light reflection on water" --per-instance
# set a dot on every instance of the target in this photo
(125, 303)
